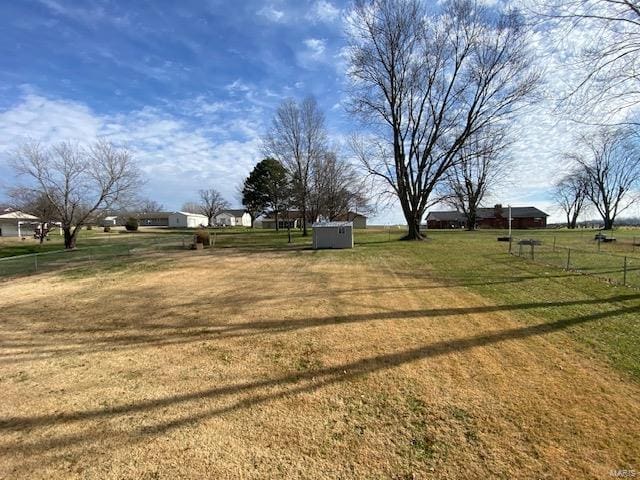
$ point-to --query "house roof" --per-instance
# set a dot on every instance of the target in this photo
(17, 215)
(484, 213)
(446, 216)
(234, 212)
(349, 216)
(154, 215)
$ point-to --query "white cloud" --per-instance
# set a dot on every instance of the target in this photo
(271, 13)
(176, 156)
(323, 11)
(238, 86)
(316, 46)
(89, 16)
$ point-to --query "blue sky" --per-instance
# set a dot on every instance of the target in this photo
(191, 86)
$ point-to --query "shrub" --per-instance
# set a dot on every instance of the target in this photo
(131, 225)
(89, 227)
(107, 229)
(202, 236)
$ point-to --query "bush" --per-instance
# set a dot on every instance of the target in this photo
(89, 227)
(107, 229)
(131, 225)
(202, 236)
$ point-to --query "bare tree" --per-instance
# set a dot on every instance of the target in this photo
(570, 194)
(427, 82)
(611, 61)
(335, 188)
(211, 204)
(480, 166)
(191, 207)
(78, 181)
(610, 162)
(147, 206)
(297, 139)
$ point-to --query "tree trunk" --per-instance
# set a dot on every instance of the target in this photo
(574, 221)
(471, 221)
(304, 218)
(608, 223)
(276, 213)
(69, 238)
(414, 229)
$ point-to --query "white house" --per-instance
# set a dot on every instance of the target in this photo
(17, 224)
(233, 218)
(187, 220)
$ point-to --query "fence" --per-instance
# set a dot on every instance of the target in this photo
(616, 268)
(89, 255)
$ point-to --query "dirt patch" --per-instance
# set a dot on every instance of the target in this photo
(234, 365)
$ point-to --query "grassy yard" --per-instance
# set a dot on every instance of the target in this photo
(262, 359)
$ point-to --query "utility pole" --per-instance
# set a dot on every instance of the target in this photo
(509, 221)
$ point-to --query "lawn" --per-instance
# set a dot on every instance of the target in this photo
(263, 359)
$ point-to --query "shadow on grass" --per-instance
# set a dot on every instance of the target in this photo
(127, 336)
(259, 391)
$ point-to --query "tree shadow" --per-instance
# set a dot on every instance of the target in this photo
(121, 336)
(258, 391)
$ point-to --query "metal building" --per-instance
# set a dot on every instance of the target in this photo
(333, 235)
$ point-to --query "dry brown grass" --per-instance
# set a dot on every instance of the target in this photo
(294, 365)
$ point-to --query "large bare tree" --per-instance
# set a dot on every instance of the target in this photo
(610, 162)
(611, 60)
(481, 166)
(570, 194)
(297, 139)
(425, 82)
(78, 181)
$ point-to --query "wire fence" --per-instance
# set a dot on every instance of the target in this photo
(618, 268)
(90, 255)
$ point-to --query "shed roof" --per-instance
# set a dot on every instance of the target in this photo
(332, 224)
(189, 214)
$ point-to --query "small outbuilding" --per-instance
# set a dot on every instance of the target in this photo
(187, 220)
(333, 235)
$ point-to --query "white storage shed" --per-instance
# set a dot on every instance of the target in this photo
(187, 220)
(333, 235)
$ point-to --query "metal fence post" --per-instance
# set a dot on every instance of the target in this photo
(532, 254)
(624, 276)
(568, 258)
